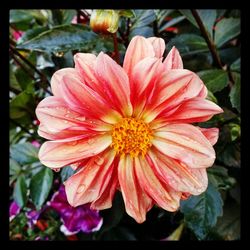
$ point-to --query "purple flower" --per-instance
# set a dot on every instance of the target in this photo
(32, 217)
(75, 219)
(14, 210)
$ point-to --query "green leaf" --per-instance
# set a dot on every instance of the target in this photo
(219, 177)
(208, 18)
(68, 16)
(20, 191)
(230, 155)
(214, 79)
(17, 16)
(235, 92)
(15, 168)
(143, 18)
(188, 14)
(201, 212)
(225, 30)
(66, 172)
(235, 66)
(21, 105)
(31, 33)
(211, 97)
(61, 39)
(24, 153)
(127, 13)
(162, 14)
(235, 130)
(188, 44)
(40, 186)
(171, 23)
(141, 23)
(228, 226)
(13, 80)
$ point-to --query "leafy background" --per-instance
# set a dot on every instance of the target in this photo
(47, 42)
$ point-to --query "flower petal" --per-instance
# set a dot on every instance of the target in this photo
(212, 134)
(85, 100)
(178, 175)
(115, 83)
(186, 143)
(137, 202)
(142, 81)
(173, 60)
(173, 87)
(194, 110)
(85, 64)
(91, 181)
(163, 195)
(138, 49)
(58, 121)
(56, 80)
(158, 45)
(56, 154)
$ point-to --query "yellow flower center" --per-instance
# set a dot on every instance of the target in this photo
(131, 136)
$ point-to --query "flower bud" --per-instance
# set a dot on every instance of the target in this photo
(104, 21)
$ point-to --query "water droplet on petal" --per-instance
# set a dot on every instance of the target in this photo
(99, 161)
(81, 118)
(81, 188)
(73, 143)
(91, 141)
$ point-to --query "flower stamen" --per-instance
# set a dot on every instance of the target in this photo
(131, 136)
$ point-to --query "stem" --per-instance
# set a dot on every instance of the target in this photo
(43, 77)
(116, 51)
(210, 43)
(211, 46)
(28, 63)
(22, 66)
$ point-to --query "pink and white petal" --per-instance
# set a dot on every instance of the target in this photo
(88, 184)
(85, 66)
(57, 80)
(65, 135)
(115, 83)
(164, 196)
(138, 49)
(186, 143)
(104, 200)
(173, 87)
(176, 174)
(137, 202)
(212, 134)
(57, 154)
(86, 101)
(203, 93)
(194, 110)
(173, 60)
(142, 81)
(158, 45)
(56, 117)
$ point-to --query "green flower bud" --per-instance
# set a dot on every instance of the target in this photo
(104, 21)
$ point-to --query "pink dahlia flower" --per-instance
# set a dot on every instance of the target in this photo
(129, 128)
